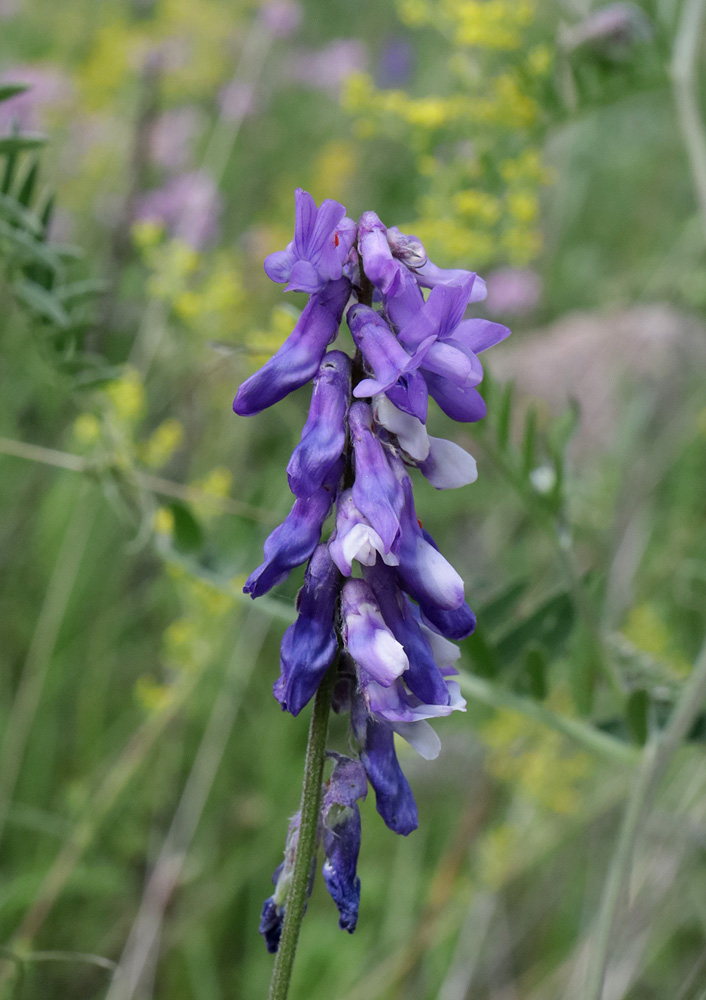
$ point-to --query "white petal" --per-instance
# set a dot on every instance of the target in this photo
(458, 702)
(448, 466)
(444, 651)
(411, 432)
(421, 736)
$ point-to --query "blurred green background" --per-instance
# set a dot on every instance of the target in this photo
(146, 772)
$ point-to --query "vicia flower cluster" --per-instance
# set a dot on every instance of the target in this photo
(378, 596)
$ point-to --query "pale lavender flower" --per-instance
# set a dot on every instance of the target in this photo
(327, 69)
(513, 291)
(171, 137)
(189, 206)
(47, 87)
(282, 17)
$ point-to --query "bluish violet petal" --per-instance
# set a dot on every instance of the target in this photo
(300, 355)
(347, 783)
(423, 677)
(429, 276)
(304, 278)
(393, 796)
(367, 638)
(309, 646)
(377, 492)
(404, 306)
(456, 624)
(458, 402)
(448, 302)
(380, 266)
(324, 435)
(479, 334)
(323, 248)
(342, 836)
(295, 539)
(305, 212)
(423, 571)
(355, 538)
(347, 233)
(278, 265)
(396, 704)
(410, 394)
(379, 346)
(271, 922)
(445, 359)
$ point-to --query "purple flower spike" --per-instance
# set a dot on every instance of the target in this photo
(324, 435)
(424, 572)
(393, 796)
(368, 639)
(310, 644)
(318, 251)
(355, 538)
(377, 492)
(299, 357)
(295, 539)
(341, 826)
(396, 372)
(380, 266)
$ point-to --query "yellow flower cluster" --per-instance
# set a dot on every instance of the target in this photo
(647, 630)
(539, 762)
(476, 145)
(491, 24)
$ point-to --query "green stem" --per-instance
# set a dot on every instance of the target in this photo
(306, 847)
(585, 735)
(656, 757)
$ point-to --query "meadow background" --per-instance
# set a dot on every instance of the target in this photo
(146, 772)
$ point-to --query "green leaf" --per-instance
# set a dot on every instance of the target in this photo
(583, 672)
(12, 210)
(42, 302)
(29, 184)
(76, 291)
(549, 625)
(17, 143)
(498, 609)
(188, 536)
(27, 249)
(8, 90)
(563, 429)
(482, 654)
(636, 714)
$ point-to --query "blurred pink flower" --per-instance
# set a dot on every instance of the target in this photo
(189, 206)
(327, 68)
(8, 8)
(282, 17)
(171, 137)
(47, 87)
(237, 100)
(512, 291)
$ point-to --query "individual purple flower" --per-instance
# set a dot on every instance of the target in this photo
(380, 266)
(367, 637)
(295, 539)
(319, 249)
(46, 88)
(299, 357)
(355, 538)
(189, 206)
(425, 574)
(341, 836)
(324, 436)
(309, 646)
(377, 492)
(328, 68)
(393, 796)
(396, 372)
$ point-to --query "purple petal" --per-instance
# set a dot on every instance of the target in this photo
(393, 796)
(380, 266)
(324, 435)
(444, 359)
(342, 836)
(410, 394)
(304, 221)
(299, 357)
(429, 276)
(458, 402)
(402, 308)
(376, 490)
(305, 278)
(295, 539)
(368, 639)
(309, 646)
(278, 265)
(457, 624)
(355, 538)
(479, 334)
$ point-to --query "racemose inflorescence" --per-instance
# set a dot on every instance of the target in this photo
(379, 599)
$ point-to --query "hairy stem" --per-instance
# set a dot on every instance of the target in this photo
(306, 847)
